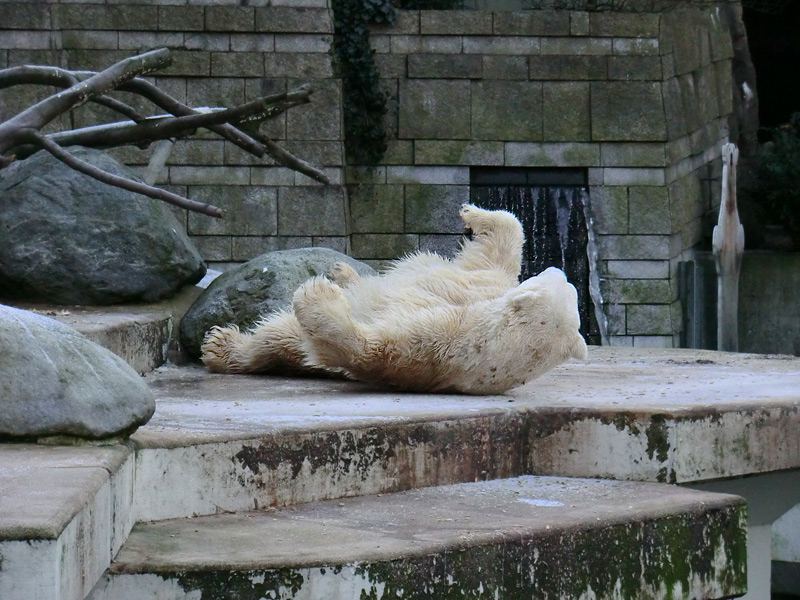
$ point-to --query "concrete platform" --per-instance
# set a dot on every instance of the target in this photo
(528, 537)
(220, 444)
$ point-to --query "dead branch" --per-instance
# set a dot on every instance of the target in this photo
(20, 136)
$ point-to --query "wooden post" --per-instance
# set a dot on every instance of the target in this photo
(728, 247)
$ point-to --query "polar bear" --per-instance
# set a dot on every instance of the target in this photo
(428, 324)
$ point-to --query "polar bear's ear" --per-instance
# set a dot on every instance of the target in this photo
(525, 300)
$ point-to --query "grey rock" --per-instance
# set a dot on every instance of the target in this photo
(252, 290)
(56, 382)
(70, 239)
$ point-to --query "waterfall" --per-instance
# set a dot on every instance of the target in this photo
(558, 232)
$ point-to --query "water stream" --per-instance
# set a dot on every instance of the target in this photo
(558, 232)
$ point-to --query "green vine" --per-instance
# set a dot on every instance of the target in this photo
(364, 104)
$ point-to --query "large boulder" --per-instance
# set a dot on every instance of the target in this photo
(256, 288)
(56, 382)
(70, 239)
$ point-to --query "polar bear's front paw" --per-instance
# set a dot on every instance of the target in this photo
(343, 274)
(318, 301)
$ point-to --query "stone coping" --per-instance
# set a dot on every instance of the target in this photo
(42, 488)
(645, 414)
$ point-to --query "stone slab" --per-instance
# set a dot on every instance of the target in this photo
(43, 487)
(234, 442)
(529, 537)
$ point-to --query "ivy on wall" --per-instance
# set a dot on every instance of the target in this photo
(364, 103)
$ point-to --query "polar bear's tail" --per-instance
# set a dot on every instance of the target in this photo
(272, 345)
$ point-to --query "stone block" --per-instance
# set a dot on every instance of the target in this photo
(299, 66)
(649, 210)
(579, 23)
(213, 247)
(532, 23)
(455, 22)
(623, 176)
(391, 66)
(219, 91)
(237, 64)
(376, 209)
(686, 44)
(636, 46)
(505, 67)
(634, 247)
(399, 152)
(181, 18)
(504, 45)
(197, 152)
(619, 24)
(270, 175)
(434, 109)
(506, 110)
(286, 19)
(636, 291)
(338, 243)
(94, 40)
(677, 125)
(25, 40)
(425, 44)
(443, 245)
(721, 45)
(141, 41)
(370, 174)
(301, 42)
(630, 154)
(444, 66)
(637, 269)
(188, 63)
(566, 111)
(25, 15)
(383, 246)
(249, 210)
(653, 341)
(567, 67)
(633, 68)
(189, 175)
(580, 46)
(245, 248)
(609, 208)
(627, 111)
(434, 208)
(564, 154)
(119, 17)
(311, 210)
(458, 153)
(406, 22)
(240, 42)
(685, 201)
(230, 18)
(320, 119)
(317, 153)
(724, 79)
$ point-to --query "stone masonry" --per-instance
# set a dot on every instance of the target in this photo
(639, 100)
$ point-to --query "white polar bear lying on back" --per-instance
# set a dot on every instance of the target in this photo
(427, 324)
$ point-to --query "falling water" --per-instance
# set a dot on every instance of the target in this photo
(554, 219)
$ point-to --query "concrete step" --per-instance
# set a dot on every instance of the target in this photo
(525, 537)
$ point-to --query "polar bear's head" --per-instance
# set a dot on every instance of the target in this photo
(546, 307)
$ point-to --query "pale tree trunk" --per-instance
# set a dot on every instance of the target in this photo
(728, 247)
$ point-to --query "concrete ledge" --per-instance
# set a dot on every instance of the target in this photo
(529, 537)
(64, 513)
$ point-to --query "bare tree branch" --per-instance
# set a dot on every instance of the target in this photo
(41, 113)
(20, 136)
(32, 136)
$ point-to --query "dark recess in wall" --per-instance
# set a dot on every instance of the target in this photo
(774, 39)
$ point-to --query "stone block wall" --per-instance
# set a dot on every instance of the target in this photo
(224, 53)
(639, 100)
